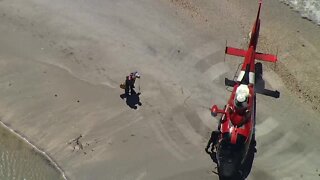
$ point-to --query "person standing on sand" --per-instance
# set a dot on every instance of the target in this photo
(129, 84)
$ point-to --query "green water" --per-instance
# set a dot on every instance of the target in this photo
(19, 161)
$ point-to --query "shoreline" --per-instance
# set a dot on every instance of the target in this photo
(44, 154)
(172, 52)
(300, 13)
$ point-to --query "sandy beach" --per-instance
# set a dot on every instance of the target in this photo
(61, 63)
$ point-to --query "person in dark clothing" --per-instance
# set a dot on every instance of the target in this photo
(214, 138)
(129, 84)
(212, 141)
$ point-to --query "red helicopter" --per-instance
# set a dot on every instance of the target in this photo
(237, 124)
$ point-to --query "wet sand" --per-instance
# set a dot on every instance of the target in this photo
(61, 64)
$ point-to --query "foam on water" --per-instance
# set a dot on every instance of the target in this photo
(21, 160)
(309, 9)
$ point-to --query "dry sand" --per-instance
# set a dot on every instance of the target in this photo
(61, 63)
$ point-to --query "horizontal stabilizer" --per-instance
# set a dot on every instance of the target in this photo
(266, 57)
(235, 51)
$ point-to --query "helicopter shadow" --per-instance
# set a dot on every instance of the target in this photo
(260, 83)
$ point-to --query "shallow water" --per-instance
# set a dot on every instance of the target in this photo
(19, 161)
(309, 9)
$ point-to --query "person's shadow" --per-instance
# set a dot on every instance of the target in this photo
(133, 100)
